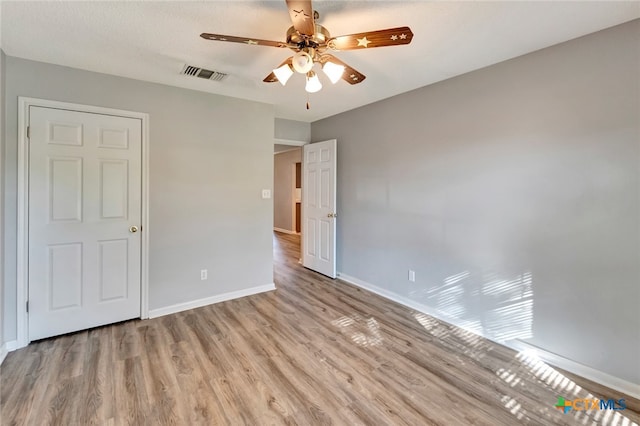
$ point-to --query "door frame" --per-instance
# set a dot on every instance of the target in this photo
(293, 198)
(22, 294)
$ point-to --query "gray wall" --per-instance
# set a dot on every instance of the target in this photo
(513, 192)
(292, 130)
(2, 100)
(206, 175)
(283, 181)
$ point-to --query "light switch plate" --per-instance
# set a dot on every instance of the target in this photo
(266, 193)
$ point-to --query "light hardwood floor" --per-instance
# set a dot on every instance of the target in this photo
(314, 352)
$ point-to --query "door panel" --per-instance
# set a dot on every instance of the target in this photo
(114, 138)
(84, 194)
(65, 189)
(114, 189)
(325, 240)
(64, 267)
(319, 207)
(325, 189)
(311, 191)
(113, 266)
(310, 238)
(64, 133)
(325, 155)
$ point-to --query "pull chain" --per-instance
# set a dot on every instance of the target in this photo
(308, 106)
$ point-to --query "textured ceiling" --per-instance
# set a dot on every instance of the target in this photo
(152, 40)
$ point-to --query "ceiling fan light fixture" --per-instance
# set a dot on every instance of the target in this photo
(333, 71)
(283, 73)
(313, 83)
(302, 62)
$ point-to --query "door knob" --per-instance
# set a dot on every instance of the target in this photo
(133, 229)
(332, 215)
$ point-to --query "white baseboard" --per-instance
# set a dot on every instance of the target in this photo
(179, 307)
(581, 370)
(11, 345)
(559, 361)
(285, 231)
(7, 347)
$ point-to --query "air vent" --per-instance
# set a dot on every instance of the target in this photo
(203, 73)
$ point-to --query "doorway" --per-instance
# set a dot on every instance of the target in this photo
(287, 189)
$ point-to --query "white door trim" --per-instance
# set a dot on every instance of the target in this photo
(23, 205)
(293, 199)
(291, 142)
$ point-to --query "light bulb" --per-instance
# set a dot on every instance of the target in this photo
(313, 83)
(283, 73)
(302, 62)
(333, 71)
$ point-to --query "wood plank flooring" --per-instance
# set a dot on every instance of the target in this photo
(314, 352)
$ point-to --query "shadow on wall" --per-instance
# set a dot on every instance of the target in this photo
(494, 305)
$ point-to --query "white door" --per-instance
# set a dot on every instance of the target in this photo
(319, 207)
(84, 205)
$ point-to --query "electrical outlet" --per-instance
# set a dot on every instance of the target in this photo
(266, 193)
(412, 275)
(203, 274)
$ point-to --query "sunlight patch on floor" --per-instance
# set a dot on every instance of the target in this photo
(361, 331)
(530, 366)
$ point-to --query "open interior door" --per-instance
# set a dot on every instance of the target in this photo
(319, 207)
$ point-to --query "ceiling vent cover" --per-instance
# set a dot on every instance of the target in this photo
(203, 73)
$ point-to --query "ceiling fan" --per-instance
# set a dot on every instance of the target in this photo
(312, 42)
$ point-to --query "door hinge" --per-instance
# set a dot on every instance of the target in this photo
(27, 306)
(28, 132)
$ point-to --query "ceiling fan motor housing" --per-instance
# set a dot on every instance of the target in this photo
(318, 39)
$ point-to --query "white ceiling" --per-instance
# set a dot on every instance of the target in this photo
(152, 40)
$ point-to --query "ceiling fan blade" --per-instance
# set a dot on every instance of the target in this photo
(388, 37)
(350, 75)
(301, 13)
(271, 78)
(244, 40)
